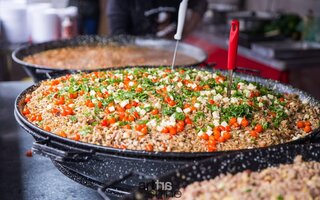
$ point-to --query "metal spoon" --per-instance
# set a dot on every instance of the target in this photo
(181, 18)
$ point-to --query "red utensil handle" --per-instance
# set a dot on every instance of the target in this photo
(233, 44)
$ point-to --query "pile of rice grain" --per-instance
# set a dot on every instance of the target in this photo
(300, 180)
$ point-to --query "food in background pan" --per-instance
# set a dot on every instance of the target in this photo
(97, 57)
(156, 109)
(299, 180)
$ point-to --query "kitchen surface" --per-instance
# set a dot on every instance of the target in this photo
(94, 103)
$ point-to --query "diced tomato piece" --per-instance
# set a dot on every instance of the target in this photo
(205, 136)
(254, 134)
(149, 147)
(258, 128)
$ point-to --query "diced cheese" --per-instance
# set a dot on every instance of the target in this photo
(178, 109)
(124, 103)
(157, 105)
(179, 84)
(92, 93)
(225, 99)
(260, 104)
(217, 97)
(270, 96)
(239, 119)
(197, 105)
(142, 112)
(234, 100)
(152, 123)
(215, 115)
(209, 132)
(103, 90)
(111, 108)
(200, 133)
(186, 110)
(131, 83)
(251, 87)
(216, 122)
(224, 124)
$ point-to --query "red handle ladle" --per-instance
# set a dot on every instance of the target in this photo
(232, 51)
(233, 44)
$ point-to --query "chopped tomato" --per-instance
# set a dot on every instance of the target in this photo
(205, 136)
(136, 115)
(187, 120)
(227, 135)
(99, 104)
(165, 130)
(55, 82)
(60, 100)
(139, 89)
(211, 101)
(258, 128)
(244, 122)
(104, 122)
(144, 130)
(119, 108)
(307, 129)
(154, 111)
(307, 123)
(26, 111)
(254, 134)
(112, 120)
(27, 99)
(300, 124)
(76, 137)
(172, 130)
(212, 148)
(89, 103)
(62, 134)
(131, 118)
(149, 147)
(127, 126)
(73, 95)
(47, 128)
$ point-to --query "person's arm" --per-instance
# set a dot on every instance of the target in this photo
(198, 8)
(118, 17)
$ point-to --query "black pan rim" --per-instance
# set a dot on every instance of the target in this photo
(137, 153)
(95, 38)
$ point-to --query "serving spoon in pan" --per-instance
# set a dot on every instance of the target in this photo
(232, 52)
(181, 18)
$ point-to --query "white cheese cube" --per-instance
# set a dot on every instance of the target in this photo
(111, 108)
(92, 93)
(124, 103)
(224, 124)
(186, 110)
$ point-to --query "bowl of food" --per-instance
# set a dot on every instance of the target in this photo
(88, 53)
(286, 172)
(154, 119)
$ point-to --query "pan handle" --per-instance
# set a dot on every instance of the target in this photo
(102, 189)
(42, 148)
(54, 73)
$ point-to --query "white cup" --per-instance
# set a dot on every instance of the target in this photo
(45, 25)
(13, 16)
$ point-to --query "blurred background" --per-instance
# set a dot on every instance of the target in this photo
(278, 39)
